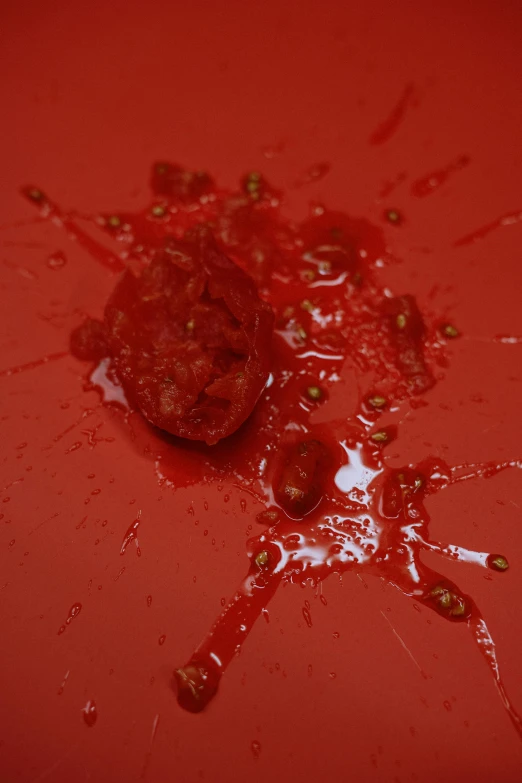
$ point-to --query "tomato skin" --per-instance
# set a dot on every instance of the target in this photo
(190, 339)
(299, 484)
(89, 341)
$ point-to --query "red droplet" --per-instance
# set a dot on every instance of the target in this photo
(57, 260)
(90, 713)
(73, 612)
(256, 748)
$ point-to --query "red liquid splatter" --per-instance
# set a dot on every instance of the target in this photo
(57, 260)
(90, 713)
(307, 616)
(426, 185)
(64, 683)
(77, 445)
(148, 755)
(52, 212)
(507, 339)
(509, 219)
(390, 185)
(313, 174)
(379, 527)
(132, 535)
(52, 357)
(255, 747)
(74, 611)
(331, 503)
(386, 129)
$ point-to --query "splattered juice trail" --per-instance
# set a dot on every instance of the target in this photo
(428, 184)
(52, 357)
(509, 219)
(390, 125)
(332, 503)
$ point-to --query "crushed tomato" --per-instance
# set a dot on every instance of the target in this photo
(189, 339)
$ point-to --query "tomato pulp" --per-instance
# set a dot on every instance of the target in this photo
(188, 338)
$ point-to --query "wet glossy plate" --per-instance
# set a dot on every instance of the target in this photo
(423, 109)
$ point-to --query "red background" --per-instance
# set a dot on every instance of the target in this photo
(91, 94)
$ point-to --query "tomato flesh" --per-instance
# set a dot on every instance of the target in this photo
(189, 339)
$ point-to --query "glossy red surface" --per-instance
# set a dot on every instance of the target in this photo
(351, 664)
